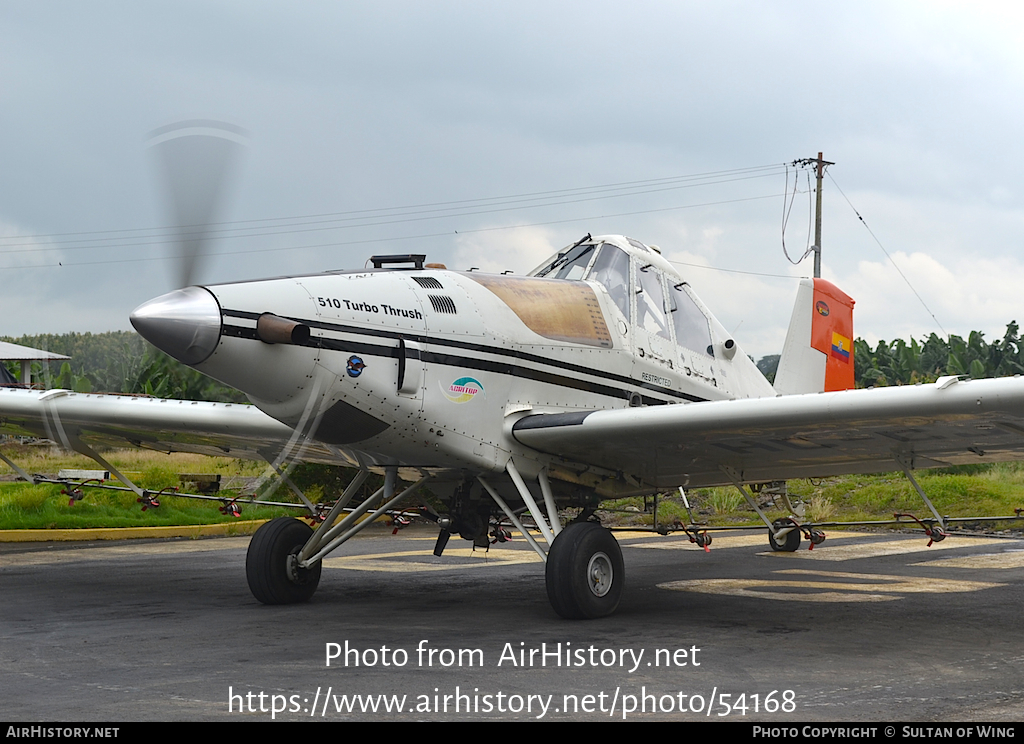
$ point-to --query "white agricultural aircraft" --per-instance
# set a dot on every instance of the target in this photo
(600, 375)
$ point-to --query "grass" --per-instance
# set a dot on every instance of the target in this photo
(43, 506)
(986, 490)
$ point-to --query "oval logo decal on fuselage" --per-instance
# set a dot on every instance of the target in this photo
(463, 389)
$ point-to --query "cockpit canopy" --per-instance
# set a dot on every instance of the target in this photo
(660, 304)
(573, 262)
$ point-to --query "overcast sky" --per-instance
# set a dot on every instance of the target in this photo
(360, 106)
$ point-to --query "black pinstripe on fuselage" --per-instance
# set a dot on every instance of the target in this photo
(512, 365)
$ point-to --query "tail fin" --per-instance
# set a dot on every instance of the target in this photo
(818, 355)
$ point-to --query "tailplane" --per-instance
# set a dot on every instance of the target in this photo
(818, 355)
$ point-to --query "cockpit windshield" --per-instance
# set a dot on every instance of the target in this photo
(570, 265)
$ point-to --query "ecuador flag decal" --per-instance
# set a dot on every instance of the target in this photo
(840, 347)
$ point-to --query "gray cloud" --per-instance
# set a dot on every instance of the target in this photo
(358, 106)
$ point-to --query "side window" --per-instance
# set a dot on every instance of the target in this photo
(611, 270)
(692, 330)
(650, 302)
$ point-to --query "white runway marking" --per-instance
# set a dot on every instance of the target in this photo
(42, 558)
(422, 560)
(874, 548)
(855, 588)
(1006, 559)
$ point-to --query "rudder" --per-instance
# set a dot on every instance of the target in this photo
(818, 353)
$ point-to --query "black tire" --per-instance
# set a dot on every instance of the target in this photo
(271, 580)
(584, 572)
(790, 543)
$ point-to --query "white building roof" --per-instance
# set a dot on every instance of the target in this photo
(15, 353)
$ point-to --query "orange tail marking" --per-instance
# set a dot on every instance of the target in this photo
(832, 333)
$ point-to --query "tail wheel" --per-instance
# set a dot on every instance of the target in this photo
(790, 541)
(271, 565)
(584, 572)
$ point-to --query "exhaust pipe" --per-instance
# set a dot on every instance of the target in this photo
(275, 330)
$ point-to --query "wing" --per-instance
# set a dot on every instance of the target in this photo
(949, 422)
(220, 429)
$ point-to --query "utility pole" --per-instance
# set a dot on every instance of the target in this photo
(819, 164)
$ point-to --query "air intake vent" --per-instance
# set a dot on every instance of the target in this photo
(442, 304)
(427, 282)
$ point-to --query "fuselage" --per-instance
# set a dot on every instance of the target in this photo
(429, 368)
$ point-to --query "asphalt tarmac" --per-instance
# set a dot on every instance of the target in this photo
(862, 628)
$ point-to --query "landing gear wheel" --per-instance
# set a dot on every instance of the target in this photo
(270, 565)
(790, 541)
(584, 572)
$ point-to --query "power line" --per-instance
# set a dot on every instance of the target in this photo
(169, 238)
(405, 237)
(390, 215)
(864, 222)
(734, 271)
(787, 207)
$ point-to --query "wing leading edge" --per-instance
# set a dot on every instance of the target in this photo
(219, 429)
(949, 422)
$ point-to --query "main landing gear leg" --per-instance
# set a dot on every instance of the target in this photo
(583, 568)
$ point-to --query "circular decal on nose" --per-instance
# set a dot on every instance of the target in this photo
(821, 307)
(463, 389)
(355, 366)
